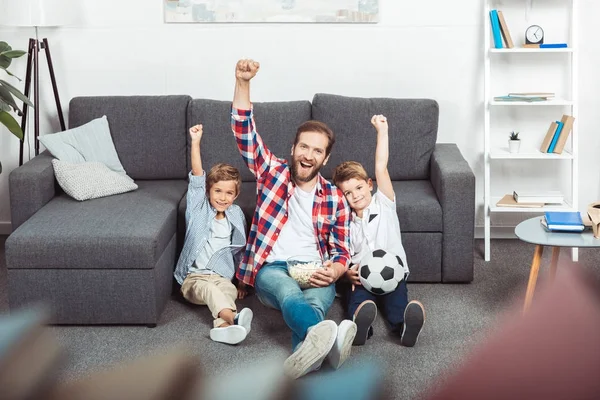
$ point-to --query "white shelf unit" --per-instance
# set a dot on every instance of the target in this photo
(494, 154)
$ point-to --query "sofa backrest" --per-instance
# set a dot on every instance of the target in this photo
(413, 125)
(149, 132)
(276, 122)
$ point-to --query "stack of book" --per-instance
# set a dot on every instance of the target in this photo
(526, 96)
(557, 135)
(563, 221)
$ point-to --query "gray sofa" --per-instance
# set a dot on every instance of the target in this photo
(110, 260)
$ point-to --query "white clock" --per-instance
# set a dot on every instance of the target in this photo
(534, 35)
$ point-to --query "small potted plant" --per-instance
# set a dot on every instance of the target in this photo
(514, 142)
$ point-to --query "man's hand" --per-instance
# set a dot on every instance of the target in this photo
(325, 276)
(242, 290)
(196, 133)
(246, 69)
(352, 275)
(380, 123)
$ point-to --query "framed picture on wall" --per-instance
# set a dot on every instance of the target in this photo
(275, 11)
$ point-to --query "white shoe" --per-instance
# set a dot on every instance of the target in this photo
(343, 343)
(244, 318)
(311, 353)
(232, 334)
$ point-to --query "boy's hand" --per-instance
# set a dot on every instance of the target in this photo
(380, 123)
(246, 69)
(196, 133)
(242, 290)
(352, 275)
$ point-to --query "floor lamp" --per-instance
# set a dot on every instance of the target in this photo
(37, 13)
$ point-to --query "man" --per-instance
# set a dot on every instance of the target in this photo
(298, 213)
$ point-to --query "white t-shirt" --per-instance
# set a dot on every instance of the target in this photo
(378, 228)
(297, 237)
(220, 236)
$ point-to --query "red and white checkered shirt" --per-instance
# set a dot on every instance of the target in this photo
(330, 212)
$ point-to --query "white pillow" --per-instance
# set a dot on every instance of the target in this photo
(90, 180)
(89, 142)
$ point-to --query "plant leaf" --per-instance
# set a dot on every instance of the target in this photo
(7, 98)
(4, 46)
(7, 120)
(12, 53)
(4, 106)
(5, 62)
(16, 92)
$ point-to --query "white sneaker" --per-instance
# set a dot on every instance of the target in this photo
(311, 353)
(232, 334)
(343, 343)
(244, 318)
(414, 318)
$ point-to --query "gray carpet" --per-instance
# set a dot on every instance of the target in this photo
(458, 317)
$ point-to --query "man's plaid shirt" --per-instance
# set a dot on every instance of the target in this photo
(331, 214)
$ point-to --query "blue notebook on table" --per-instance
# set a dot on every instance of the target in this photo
(564, 221)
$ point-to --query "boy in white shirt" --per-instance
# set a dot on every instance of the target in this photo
(215, 235)
(374, 225)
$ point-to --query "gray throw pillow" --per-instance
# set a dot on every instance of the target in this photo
(89, 142)
(90, 180)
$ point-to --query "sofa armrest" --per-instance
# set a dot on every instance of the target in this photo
(454, 183)
(31, 186)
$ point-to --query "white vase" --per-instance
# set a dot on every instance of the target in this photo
(513, 145)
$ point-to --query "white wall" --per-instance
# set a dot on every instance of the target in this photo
(426, 48)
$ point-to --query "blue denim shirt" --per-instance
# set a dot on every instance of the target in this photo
(198, 219)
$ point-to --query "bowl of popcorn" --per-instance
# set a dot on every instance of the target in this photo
(301, 269)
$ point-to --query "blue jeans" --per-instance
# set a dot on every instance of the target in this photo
(301, 309)
(392, 304)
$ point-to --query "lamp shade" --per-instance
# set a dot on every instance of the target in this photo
(37, 12)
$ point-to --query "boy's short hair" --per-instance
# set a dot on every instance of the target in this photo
(348, 170)
(223, 172)
(316, 126)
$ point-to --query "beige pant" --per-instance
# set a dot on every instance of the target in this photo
(216, 292)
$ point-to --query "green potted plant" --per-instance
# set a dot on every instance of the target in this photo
(514, 143)
(8, 104)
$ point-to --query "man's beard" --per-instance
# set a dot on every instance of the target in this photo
(296, 173)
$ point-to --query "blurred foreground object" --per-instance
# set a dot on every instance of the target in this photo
(552, 352)
(29, 355)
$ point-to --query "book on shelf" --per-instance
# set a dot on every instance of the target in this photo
(563, 221)
(495, 23)
(548, 138)
(547, 95)
(548, 197)
(504, 30)
(545, 46)
(567, 121)
(528, 99)
(556, 136)
(509, 201)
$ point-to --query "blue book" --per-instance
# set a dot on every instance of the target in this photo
(496, 29)
(564, 221)
(555, 137)
(553, 45)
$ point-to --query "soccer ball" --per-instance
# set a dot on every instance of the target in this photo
(380, 272)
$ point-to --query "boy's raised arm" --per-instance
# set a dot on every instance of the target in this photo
(255, 154)
(196, 136)
(384, 182)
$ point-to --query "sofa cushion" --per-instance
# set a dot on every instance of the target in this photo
(149, 132)
(90, 180)
(129, 230)
(413, 132)
(89, 142)
(418, 207)
(276, 122)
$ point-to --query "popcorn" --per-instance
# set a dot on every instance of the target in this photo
(301, 271)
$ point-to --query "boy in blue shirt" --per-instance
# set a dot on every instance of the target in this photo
(374, 225)
(215, 235)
